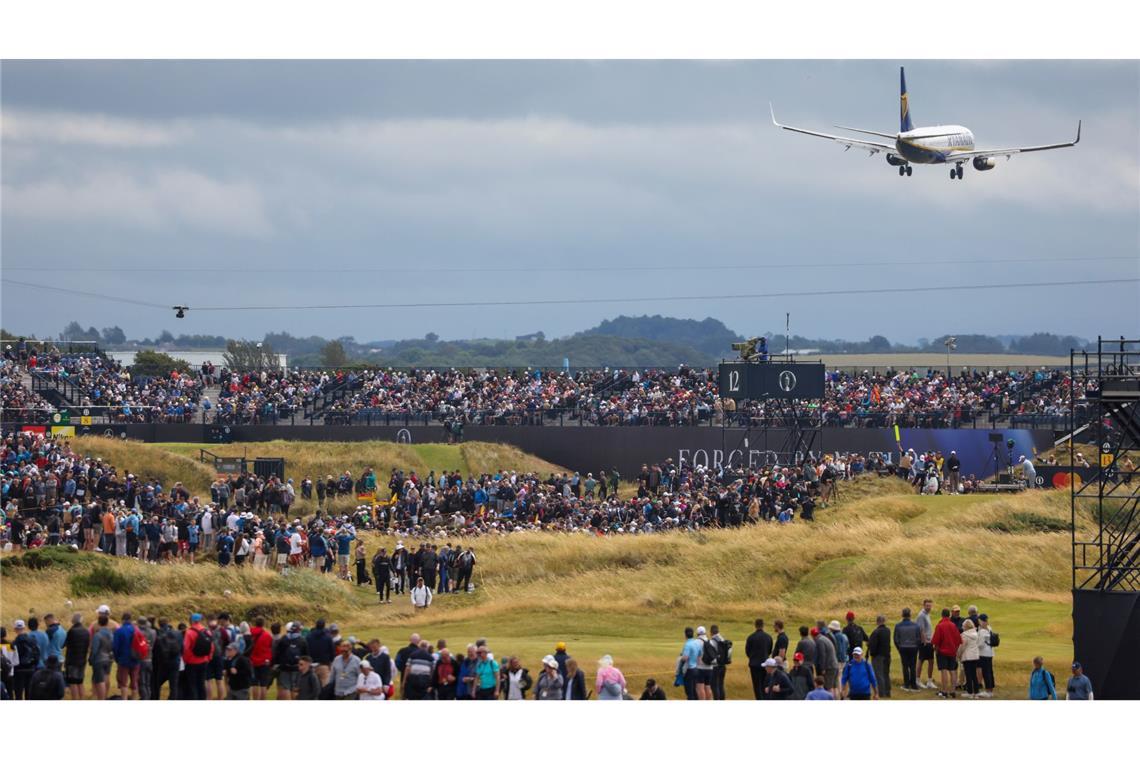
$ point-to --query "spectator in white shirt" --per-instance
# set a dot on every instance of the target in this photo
(421, 595)
(368, 684)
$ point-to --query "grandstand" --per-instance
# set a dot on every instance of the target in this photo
(89, 383)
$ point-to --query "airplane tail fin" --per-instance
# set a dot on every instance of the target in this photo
(905, 124)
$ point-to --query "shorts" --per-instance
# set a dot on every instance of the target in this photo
(214, 669)
(947, 662)
(183, 546)
(193, 547)
(263, 675)
(295, 560)
(128, 674)
(288, 680)
(925, 652)
(830, 677)
(100, 671)
(282, 558)
(342, 560)
(73, 674)
(705, 676)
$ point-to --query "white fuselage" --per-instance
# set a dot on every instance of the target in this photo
(934, 145)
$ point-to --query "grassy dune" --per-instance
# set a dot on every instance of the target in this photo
(305, 459)
(880, 548)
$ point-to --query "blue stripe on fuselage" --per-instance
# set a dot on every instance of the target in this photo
(917, 155)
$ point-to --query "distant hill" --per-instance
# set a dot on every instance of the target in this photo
(582, 351)
(708, 336)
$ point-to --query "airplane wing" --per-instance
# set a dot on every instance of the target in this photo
(872, 147)
(1010, 152)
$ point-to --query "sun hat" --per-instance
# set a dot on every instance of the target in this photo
(549, 661)
(19, 625)
(365, 664)
(834, 625)
(701, 630)
(769, 663)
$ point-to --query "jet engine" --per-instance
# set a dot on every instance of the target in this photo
(983, 164)
(894, 160)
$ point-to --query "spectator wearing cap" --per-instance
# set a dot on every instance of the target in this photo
(550, 684)
(842, 646)
(1079, 686)
(879, 652)
(369, 687)
(24, 649)
(239, 673)
(705, 669)
(652, 692)
(777, 683)
(196, 664)
(802, 677)
(858, 679)
(560, 656)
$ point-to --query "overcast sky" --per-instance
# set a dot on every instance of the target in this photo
(441, 169)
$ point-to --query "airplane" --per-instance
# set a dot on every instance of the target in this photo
(952, 144)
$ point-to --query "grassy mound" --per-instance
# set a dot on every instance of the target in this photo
(318, 460)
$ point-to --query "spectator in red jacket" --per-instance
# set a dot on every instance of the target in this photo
(197, 651)
(946, 642)
(261, 657)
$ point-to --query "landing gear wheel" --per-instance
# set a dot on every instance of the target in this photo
(909, 170)
(902, 170)
(953, 174)
(959, 171)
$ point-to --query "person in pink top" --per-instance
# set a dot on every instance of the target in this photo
(611, 682)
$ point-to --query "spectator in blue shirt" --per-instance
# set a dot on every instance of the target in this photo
(126, 660)
(1042, 685)
(55, 636)
(1079, 687)
(691, 654)
(40, 638)
(819, 692)
(858, 679)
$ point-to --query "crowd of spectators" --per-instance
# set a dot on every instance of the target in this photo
(684, 396)
(104, 385)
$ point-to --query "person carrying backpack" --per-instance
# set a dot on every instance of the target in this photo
(47, 682)
(166, 659)
(1042, 684)
(858, 679)
(27, 655)
(129, 647)
(710, 656)
(197, 651)
(287, 654)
